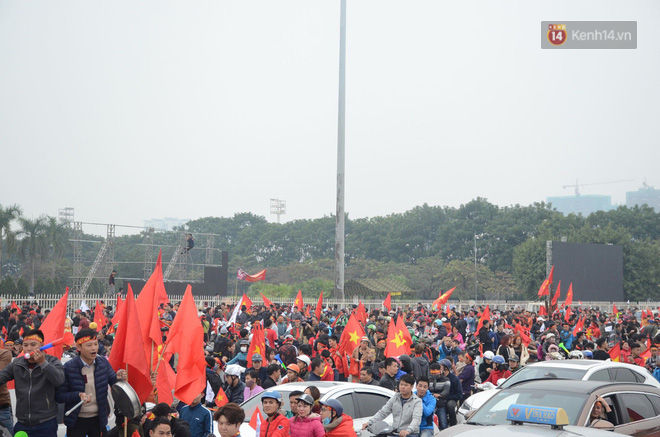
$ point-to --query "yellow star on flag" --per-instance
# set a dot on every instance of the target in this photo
(398, 339)
(354, 337)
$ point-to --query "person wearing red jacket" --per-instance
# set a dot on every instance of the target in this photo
(500, 370)
(335, 422)
(276, 425)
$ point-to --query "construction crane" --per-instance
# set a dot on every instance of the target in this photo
(577, 185)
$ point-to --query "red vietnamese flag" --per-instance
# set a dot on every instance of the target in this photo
(387, 303)
(615, 311)
(578, 326)
(319, 307)
(542, 311)
(99, 318)
(523, 336)
(152, 295)
(299, 301)
(246, 301)
(186, 338)
(361, 313)
(261, 276)
(555, 298)
(16, 307)
(567, 314)
(165, 380)
(569, 296)
(256, 420)
(484, 316)
(53, 325)
(397, 343)
(128, 349)
(545, 286)
(351, 336)
(615, 352)
(443, 298)
(221, 399)
(257, 344)
(136, 433)
(267, 301)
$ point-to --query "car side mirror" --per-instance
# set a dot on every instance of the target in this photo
(602, 424)
(469, 415)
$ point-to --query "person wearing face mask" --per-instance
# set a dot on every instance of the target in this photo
(235, 388)
(252, 384)
(304, 425)
(241, 356)
(335, 422)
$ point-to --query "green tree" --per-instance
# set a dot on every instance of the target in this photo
(57, 237)
(8, 286)
(22, 287)
(33, 243)
(7, 216)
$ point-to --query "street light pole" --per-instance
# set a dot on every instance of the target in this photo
(339, 227)
(476, 282)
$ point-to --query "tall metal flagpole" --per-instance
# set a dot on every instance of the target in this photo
(339, 228)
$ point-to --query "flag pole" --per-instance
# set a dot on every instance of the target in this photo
(126, 418)
(236, 289)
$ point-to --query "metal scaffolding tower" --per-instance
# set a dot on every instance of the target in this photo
(209, 250)
(148, 248)
(174, 260)
(77, 257)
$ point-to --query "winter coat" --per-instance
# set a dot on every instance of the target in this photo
(428, 409)
(306, 427)
(405, 416)
(32, 409)
(341, 427)
(235, 394)
(420, 366)
(74, 384)
(439, 385)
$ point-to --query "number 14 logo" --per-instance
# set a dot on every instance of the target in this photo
(557, 34)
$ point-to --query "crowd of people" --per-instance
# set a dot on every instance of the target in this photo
(449, 353)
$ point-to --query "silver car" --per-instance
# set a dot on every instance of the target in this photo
(586, 370)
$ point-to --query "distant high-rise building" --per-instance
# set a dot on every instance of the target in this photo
(165, 224)
(645, 195)
(583, 204)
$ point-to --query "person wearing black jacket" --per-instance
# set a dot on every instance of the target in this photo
(484, 337)
(455, 391)
(273, 372)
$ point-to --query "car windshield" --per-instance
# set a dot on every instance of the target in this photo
(255, 402)
(541, 372)
(494, 411)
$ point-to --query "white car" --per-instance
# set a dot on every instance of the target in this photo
(586, 370)
(360, 401)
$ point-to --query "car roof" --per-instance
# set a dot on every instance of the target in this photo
(574, 386)
(581, 364)
(327, 387)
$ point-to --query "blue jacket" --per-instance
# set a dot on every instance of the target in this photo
(74, 384)
(455, 388)
(199, 418)
(428, 409)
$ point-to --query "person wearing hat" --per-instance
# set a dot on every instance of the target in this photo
(514, 363)
(335, 422)
(500, 370)
(292, 372)
(303, 362)
(276, 424)
(35, 380)
(241, 356)
(653, 361)
(234, 387)
(87, 378)
(304, 424)
(258, 366)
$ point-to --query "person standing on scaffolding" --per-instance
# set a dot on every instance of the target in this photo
(190, 243)
(111, 283)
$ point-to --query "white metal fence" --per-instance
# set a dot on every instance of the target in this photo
(48, 301)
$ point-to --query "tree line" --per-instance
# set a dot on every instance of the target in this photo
(428, 248)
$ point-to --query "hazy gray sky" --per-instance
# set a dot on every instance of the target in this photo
(129, 110)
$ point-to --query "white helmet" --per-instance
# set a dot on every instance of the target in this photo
(234, 370)
(305, 359)
(575, 355)
(488, 355)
